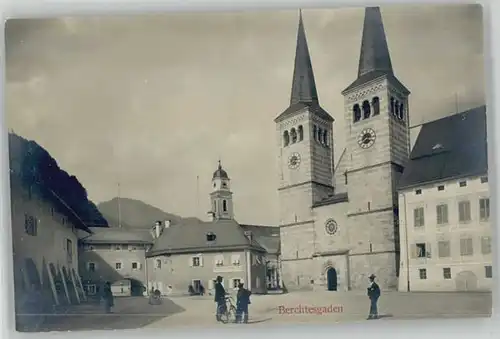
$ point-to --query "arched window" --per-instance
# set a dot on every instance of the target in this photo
(366, 109)
(392, 105)
(301, 133)
(376, 106)
(224, 205)
(286, 138)
(401, 111)
(356, 113)
(320, 135)
(315, 132)
(325, 137)
(293, 135)
(396, 108)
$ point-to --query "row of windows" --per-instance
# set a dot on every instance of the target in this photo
(422, 272)
(297, 135)
(93, 267)
(121, 247)
(464, 213)
(423, 250)
(197, 261)
(463, 183)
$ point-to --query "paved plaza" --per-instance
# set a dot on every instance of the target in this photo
(268, 310)
(339, 307)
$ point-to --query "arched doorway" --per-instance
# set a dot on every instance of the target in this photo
(466, 281)
(331, 279)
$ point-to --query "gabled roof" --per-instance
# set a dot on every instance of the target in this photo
(117, 235)
(191, 237)
(449, 148)
(267, 236)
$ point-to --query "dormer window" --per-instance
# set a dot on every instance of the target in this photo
(437, 146)
(211, 236)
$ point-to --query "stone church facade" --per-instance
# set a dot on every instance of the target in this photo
(339, 222)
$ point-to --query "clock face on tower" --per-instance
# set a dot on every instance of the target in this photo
(294, 161)
(366, 138)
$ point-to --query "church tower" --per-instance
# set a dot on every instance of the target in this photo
(377, 119)
(305, 162)
(221, 195)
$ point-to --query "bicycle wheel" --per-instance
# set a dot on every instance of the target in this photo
(223, 314)
(231, 314)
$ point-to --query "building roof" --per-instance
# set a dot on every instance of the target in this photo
(304, 93)
(374, 57)
(191, 237)
(220, 173)
(448, 148)
(117, 235)
(267, 236)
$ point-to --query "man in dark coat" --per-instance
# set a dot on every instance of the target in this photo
(242, 302)
(373, 294)
(107, 297)
(220, 298)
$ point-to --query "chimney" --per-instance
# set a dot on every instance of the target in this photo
(157, 229)
(248, 234)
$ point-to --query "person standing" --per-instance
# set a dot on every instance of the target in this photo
(373, 294)
(220, 298)
(107, 297)
(242, 302)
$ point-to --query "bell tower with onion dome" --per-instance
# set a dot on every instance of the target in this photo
(221, 196)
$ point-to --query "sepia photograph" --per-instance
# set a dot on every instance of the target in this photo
(252, 168)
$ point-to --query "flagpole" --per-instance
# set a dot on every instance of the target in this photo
(119, 208)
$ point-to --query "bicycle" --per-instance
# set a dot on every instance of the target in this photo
(227, 311)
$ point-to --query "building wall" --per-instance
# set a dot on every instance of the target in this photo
(48, 247)
(113, 262)
(173, 274)
(465, 271)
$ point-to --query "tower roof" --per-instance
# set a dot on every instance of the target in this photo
(220, 173)
(303, 84)
(374, 55)
(304, 93)
(374, 58)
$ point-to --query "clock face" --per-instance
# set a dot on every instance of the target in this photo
(366, 138)
(331, 226)
(294, 161)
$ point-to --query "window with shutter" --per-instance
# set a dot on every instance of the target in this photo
(442, 214)
(486, 245)
(484, 209)
(420, 249)
(464, 211)
(466, 247)
(418, 216)
(427, 250)
(444, 249)
(413, 251)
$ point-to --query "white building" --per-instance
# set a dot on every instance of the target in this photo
(444, 208)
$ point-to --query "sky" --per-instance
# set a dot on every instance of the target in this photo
(153, 102)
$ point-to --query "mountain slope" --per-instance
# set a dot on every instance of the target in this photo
(134, 213)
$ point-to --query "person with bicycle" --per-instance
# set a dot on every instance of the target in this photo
(220, 298)
(242, 302)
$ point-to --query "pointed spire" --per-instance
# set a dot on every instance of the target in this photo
(303, 85)
(374, 56)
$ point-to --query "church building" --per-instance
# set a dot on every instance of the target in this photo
(339, 223)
